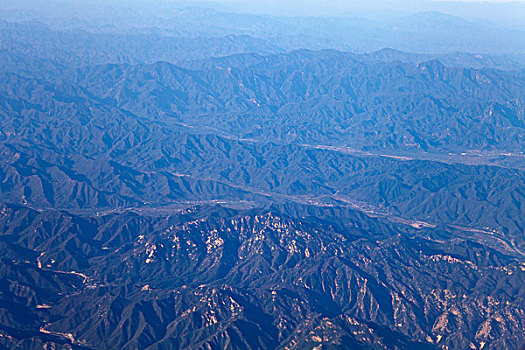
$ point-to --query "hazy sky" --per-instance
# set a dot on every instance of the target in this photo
(331, 5)
(508, 13)
(503, 12)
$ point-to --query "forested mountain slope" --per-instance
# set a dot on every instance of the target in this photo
(155, 197)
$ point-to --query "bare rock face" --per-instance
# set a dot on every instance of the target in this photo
(210, 277)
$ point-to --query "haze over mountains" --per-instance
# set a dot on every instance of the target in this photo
(419, 27)
(198, 178)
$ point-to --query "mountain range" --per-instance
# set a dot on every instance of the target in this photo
(211, 189)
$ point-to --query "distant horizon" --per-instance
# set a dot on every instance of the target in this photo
(504, 13)
(510, 13)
